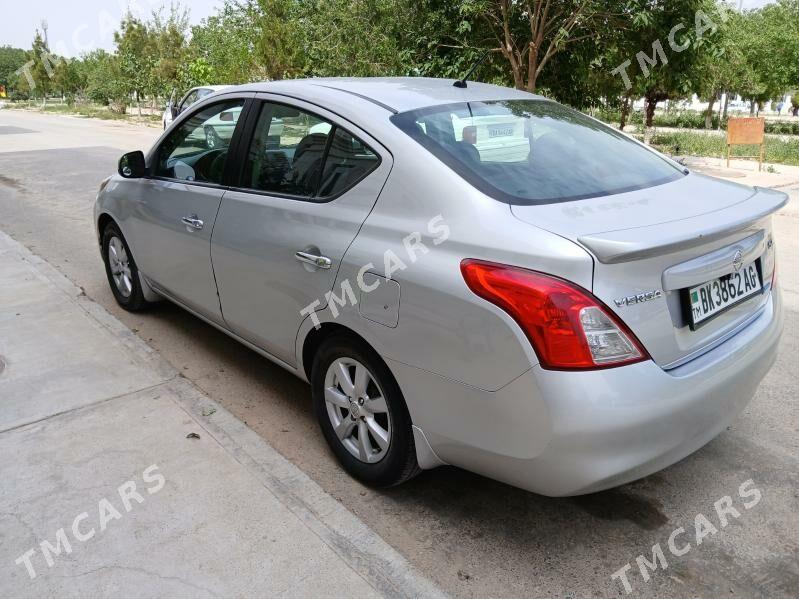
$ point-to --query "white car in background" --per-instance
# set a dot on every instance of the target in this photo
(193, 95)
(497, 138)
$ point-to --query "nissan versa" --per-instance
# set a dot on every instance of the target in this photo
(473, 275)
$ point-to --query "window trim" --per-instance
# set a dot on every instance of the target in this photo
(228, 174)
(258, 105)
(404, 121)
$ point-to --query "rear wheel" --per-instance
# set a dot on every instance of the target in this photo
(123, 276)
(362, 413)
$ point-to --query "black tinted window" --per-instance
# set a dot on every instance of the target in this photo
(534, 151)
(297, 153)
(286, 152)
(197, 150)
(348, 161)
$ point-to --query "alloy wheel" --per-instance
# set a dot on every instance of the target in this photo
(119, 264)
(357, 410)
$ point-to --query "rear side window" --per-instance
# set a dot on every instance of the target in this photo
(534, 151)
(299, 154)
(348, 161)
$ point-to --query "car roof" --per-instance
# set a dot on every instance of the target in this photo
(396, 94)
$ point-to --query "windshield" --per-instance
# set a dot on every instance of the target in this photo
(534, 151)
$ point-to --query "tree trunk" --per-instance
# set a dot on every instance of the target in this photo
(709, 112)
(752, 108)
(726, 106)
(625, 111)
(651, 104)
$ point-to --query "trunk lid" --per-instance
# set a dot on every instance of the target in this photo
(650, 246)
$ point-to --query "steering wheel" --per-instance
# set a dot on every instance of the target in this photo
(210, 166)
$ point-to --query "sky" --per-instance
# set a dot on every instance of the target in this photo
(76, 26)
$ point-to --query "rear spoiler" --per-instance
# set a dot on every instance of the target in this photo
(635, 244)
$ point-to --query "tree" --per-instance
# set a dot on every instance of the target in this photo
(770, 46)
(105, 81)
(355, 38)
(530, 33)
(38, 71)
(69, 79)
(136, 61)
(663, 40)
(11, 60)
(168, 49)
(195, 73)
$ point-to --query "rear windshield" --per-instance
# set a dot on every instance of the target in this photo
(534, 151)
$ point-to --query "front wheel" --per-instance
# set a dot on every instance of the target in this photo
(123, 276)
(362, 413)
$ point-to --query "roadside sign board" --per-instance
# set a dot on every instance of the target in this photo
(747, 131)
(2, 91)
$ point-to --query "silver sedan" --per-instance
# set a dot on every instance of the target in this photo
(474, 276)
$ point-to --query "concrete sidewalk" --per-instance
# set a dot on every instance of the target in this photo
(745, 171)
(120, 478)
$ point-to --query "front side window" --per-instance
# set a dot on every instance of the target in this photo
(297, 153)
(534, 151)
(197, 150)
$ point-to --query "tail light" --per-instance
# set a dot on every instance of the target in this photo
(568, 327)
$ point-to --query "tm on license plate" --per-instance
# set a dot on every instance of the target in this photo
(711, 298)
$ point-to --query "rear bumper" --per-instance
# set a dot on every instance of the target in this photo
(570, 433)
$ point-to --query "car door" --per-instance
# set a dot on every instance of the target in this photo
(190, 98)
(175, 209)
(308, 180)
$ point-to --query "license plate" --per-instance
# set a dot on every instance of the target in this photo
(500, 131)
(712, 298)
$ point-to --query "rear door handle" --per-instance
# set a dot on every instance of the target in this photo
(314, 260)
(192, 221)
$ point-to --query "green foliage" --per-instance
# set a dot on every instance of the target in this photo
(225, 41)
(197, 72)
(105, 80)
(39, 69)
(11, 60)
(69, 79)
(704, 144)
(569, 54)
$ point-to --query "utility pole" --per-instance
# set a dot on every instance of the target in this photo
(44, 30)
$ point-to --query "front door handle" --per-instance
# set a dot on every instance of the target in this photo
(192, 221)
(314, 260)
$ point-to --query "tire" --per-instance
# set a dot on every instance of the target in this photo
(121, 270)
(382, 466)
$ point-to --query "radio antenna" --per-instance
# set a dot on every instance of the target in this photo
(461, 83)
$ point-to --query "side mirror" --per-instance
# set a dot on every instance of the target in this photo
(173, 111)
(132, 166)
(226, 117)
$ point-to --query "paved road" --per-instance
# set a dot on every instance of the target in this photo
(474, 537)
